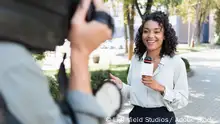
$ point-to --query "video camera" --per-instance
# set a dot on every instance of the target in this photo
(41, 25)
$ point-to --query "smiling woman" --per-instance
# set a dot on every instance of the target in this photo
(156, 27)
(155, 96)
(153, 35)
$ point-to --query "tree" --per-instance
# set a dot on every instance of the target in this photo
(115, 6)
(196, 11)
(129, 13)
(169, 5)
(217, 29)
(126, 14)
(130, 18)
(148, 5)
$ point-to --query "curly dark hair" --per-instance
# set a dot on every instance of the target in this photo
(170, 42)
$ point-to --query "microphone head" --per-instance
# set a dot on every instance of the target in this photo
(148, 59)
(147, 66)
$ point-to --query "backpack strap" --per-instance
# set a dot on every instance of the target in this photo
(63, 87)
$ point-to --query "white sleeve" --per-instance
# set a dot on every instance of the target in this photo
(177, 97)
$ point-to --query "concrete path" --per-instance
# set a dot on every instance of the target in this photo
(204, 86)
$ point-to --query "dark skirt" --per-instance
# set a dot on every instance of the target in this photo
(160, 115)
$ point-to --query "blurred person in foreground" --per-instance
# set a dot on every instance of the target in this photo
(25, 88)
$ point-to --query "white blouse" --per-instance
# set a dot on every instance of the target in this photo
(171, 73)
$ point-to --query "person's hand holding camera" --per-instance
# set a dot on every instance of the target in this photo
(85, 37)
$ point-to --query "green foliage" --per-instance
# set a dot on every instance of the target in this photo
(120, 71)
(218, 42)
(187, 9)
(217, 19)
(186, 64)
(54, 88)
(97, 78)
(39, 56)
(167, 3)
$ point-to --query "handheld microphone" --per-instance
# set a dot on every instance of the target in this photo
(147, 66)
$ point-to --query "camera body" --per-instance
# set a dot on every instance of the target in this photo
(40, 25)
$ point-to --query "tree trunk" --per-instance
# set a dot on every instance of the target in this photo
(189, 28)
(126, 37)
(138, 9)
(189, 24)
(147, 10)
(148, 7)
(167, 9)
(126, 14)
(114, 8)
(197, 34)
(131, 30)
(197, 31)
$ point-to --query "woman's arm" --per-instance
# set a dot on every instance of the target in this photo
(177, 97)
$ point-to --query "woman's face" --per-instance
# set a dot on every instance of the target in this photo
(153, 35)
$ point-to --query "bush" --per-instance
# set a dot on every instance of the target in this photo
(39, 56)
(97, 77)
(54, 87)
(218, 42)
(186, 64)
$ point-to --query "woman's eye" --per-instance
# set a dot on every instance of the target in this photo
(157, 32)
(145, 31)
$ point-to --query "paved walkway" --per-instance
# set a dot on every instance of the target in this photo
(204, 100)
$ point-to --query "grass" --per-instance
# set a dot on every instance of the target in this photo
(120, 71)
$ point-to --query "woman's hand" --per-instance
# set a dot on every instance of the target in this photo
(153, 84)
(116, 80)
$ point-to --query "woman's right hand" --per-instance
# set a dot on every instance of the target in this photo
(116, 80)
